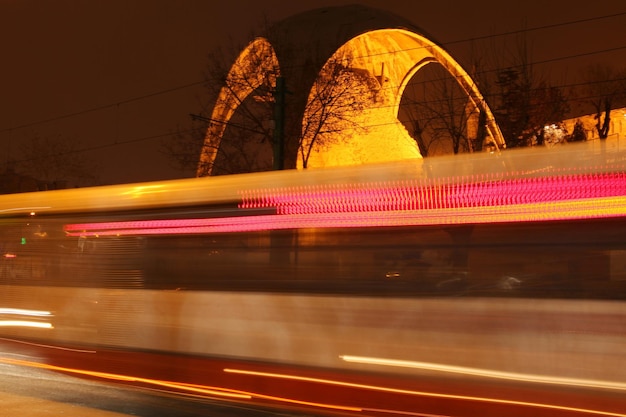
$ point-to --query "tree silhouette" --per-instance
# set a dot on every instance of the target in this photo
(248, 136)
(605, 89)
(55, 160)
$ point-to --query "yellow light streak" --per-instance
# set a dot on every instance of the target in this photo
(29, 209)
(141, 190)
(487, 373)
(423, 393)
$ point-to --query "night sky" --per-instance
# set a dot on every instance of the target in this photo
(119, 75)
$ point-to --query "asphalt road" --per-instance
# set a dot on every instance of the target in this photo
(28, 392)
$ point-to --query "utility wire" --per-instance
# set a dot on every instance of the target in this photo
(536, 28)
(107, 145)
(103, 107)
(193, 84)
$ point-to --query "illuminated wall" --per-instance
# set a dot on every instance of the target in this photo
(617, 127)
(381, 48)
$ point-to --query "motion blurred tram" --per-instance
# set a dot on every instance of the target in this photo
(473, 285)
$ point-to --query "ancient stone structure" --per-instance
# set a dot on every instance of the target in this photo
(383, 49)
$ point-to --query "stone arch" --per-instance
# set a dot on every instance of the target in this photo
(387, 47)
(392, 57)
(256, 64)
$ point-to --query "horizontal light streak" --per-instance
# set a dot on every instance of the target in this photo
(487, 373)
(25, 312)
(604, 207)
(31, 209)
(423, 393)
(25, 323)
(22, 312)
(438, 193)
(238, 394)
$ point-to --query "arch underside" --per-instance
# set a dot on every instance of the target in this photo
(389, 58)
(255, 66)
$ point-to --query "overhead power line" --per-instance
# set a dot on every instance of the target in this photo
(103, 107)
(536, 28)
(193, 84)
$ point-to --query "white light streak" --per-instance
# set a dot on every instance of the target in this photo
(25, 323)
(486, 373)
(25, 312)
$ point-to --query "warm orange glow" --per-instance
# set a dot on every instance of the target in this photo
(240, 83)
(372, 133)
(388, 58)
(424, 393)
(238, 394)
(144, 190)
(20, 209)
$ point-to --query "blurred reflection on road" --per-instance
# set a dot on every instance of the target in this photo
(28, 392)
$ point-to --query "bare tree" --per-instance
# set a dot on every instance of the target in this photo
(246, 83)
(522, 99)
(438, 114)
(55, 161)
(578, 133)
(248, 132)
(605, 89)
(339, 92)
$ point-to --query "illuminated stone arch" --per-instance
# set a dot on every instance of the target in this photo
(256, 65)
(387, 47)
(392, 57)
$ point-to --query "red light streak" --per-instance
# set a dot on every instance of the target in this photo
(568, 210)
(424, 194)
(411, 203)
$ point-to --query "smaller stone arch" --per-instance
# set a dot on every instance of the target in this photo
(256, 65)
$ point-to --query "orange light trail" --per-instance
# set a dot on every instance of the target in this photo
(423, 393)
(192, 388)
(207, 390)
(47, 346)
